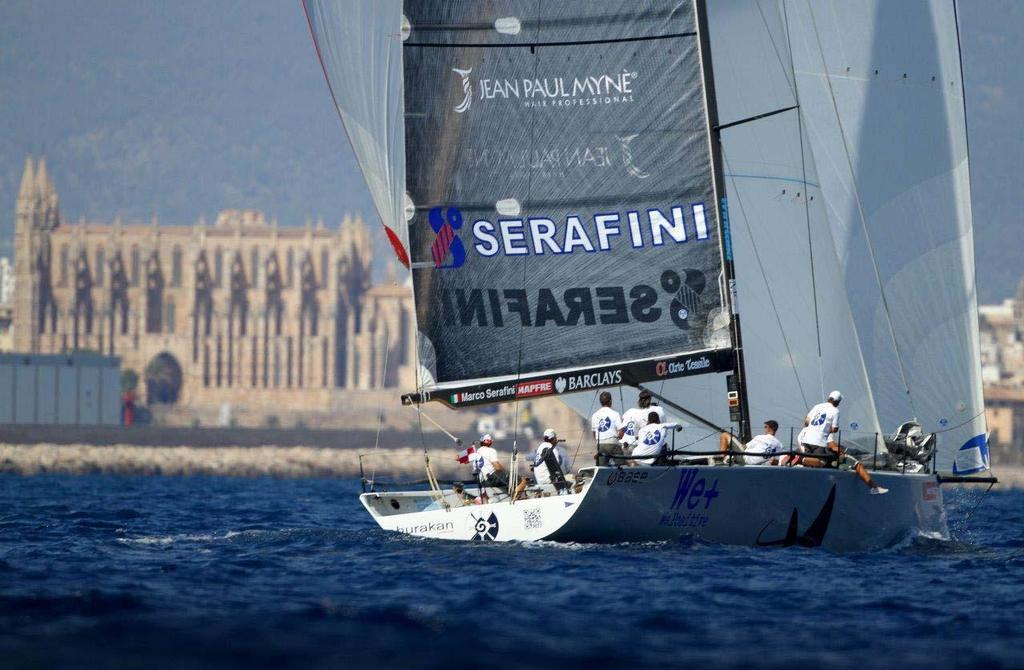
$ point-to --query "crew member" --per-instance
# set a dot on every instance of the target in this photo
(605, 426)
(636, 418)
(820, 439)
(760, 449)
(549, 464)
(650, 441)
(486, 466)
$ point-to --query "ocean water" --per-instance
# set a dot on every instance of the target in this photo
(103, 571)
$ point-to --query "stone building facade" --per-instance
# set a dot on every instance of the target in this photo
(242, 312)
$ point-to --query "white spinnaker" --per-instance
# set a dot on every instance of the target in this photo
(359, 43)
(881, 95)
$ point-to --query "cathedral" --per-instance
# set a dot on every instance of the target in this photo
(240, 312)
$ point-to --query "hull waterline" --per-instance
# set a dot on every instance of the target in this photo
(747, 506)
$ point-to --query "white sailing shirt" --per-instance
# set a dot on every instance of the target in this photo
(482, 461)
(823, 418)
(650, 441)
(605, 424)
(540, 468)
(761, 448)
(634, 419)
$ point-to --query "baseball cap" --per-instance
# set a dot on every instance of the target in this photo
(835, 395)
(487, 440)
(549, 433)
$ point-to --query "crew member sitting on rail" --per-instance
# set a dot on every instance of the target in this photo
(636, 418)
(650, 441)
(821, 440)
(549, 464)
(761, 449)
(486, 465)
(605, 426)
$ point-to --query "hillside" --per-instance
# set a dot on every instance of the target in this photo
(186, 108)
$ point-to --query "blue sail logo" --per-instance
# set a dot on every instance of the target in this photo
(446, 240)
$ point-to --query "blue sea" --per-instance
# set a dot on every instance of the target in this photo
(105, 571)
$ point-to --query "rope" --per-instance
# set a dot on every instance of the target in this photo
(380, 407)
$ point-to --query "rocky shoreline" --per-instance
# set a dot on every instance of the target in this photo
(261, 461)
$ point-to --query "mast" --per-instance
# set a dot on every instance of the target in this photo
(737, 385)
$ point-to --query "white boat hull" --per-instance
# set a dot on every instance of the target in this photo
(750, 506)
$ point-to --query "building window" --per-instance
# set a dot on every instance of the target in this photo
(136, 262)
(323, 266)
(101, 263)
(290, 272)
(176, 267)
(254, 267)
(218, 267)
(64, 260)
(169, 321)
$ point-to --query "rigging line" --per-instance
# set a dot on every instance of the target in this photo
(807, 208)
(757, 117)
(529, 191)
(583, 433)
(981, 499)
(860, 212)
(778, 54)
(768, 286)
(380, 412)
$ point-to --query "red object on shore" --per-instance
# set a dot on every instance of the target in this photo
(128, 408)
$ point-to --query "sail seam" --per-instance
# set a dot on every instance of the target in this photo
(533, 45)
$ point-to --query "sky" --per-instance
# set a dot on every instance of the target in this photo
(181, 109)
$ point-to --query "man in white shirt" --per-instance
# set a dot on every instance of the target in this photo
(761, 448)
(650, 441)
(605, 426)
(486, 465)
(820, 439)
(541, 472)
(636, 418)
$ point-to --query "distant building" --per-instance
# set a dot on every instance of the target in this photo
(6, 281)
(242, 312)
(1002, 340)
(1001, 329)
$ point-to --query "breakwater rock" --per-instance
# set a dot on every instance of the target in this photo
(265, 461)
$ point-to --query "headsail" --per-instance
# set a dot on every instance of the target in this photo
(881, 93)
(359, 47)
(850, 213)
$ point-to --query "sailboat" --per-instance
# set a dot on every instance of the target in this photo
(590, 195)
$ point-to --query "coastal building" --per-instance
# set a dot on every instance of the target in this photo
(238, 313)
(1001, 331)
(6, 280)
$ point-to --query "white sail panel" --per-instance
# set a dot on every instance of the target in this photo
(881, 94)
(359, 44)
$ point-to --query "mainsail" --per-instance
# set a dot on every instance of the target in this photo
(560, 214)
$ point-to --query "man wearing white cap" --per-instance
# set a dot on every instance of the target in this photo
(548, 452)
(819, 438)
(486, 465)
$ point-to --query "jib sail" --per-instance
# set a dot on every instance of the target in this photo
(564, 231)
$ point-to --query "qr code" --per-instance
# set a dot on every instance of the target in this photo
(531, 518)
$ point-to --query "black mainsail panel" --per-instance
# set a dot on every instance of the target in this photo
(563, 217)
